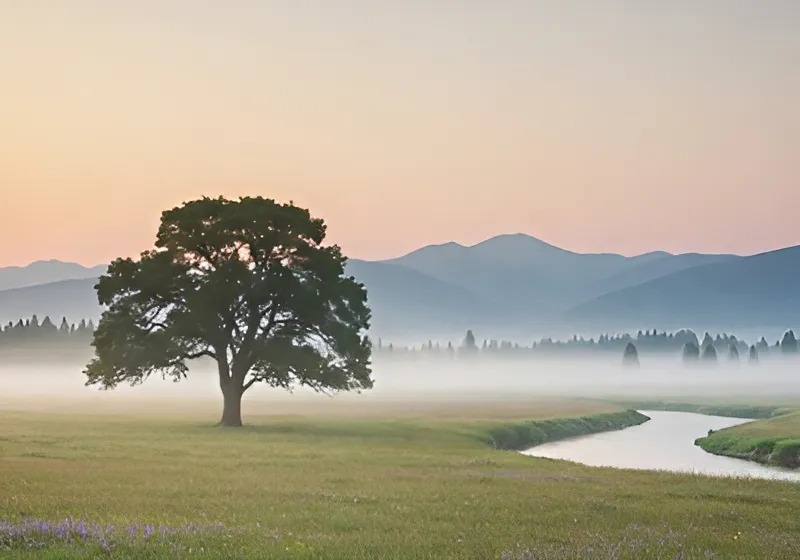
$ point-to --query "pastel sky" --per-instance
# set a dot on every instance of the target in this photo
(604, 125)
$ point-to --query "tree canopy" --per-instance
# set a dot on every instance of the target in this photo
(630, 356)
(789, 343)
(709, 353)
(246, 283)
(691, 353)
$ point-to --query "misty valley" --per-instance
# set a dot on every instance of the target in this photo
(372, 280)
(717, 411)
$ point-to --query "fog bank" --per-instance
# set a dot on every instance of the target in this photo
(29, 385)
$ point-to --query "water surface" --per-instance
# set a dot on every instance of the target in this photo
(666, 442)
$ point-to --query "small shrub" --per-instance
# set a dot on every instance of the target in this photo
(531, 434)
(787, 453)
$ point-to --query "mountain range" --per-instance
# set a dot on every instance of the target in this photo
(509, 283)
(44, 272)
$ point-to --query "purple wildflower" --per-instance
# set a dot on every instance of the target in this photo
(35, 533)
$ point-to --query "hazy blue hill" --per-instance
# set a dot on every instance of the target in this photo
(650, 269)
(512, 271)
(406, 300)
(402, 300)
(74, 299)
(525, 275)
(760, 290)
(510, 283)
(43, 272)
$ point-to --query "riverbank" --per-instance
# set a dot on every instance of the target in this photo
(524, 435)
(719, 409)
(774, 441)
(412, 482)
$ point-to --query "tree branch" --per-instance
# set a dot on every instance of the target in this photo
(252, 381)
(193, 356)
(152, 325)
(244, 357)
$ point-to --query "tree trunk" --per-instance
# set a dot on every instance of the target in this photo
(232, 406)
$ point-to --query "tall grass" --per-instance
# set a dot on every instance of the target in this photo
(775, 441)
(355, 488)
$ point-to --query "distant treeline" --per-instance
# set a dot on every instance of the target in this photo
(683, 342)
(34, 339)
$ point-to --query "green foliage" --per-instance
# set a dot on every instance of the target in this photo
(787, 453)
(728, 410)
(246, 283)
(773, 441)
(529, 434)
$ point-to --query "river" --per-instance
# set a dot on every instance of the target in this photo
(666, 442)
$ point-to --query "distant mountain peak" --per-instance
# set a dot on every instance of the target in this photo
(450, 247)
(503, 242)
(51, 262)
(55, 262)
(516, 241)
(518, 236)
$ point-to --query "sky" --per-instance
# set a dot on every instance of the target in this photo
(605, 126)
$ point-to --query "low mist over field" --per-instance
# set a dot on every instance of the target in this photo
(665, 378)
(430, 297)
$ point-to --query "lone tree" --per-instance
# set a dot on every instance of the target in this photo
(247, 283)
(789, 343)
(469, 341)
(709, 353)
(753, 354)
(691, 353)
(469, 347)
(630, 356)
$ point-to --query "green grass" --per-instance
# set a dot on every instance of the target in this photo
(774, 441)
(723, 409)
(524, 435)
(390, 483)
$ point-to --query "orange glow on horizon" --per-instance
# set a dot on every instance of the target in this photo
(402, 124)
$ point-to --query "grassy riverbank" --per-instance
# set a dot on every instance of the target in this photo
(395, 481)
(721, 409)
(528, 434)
(775, 441)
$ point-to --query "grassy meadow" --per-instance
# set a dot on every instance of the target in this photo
(356, 482)
(773, 441)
